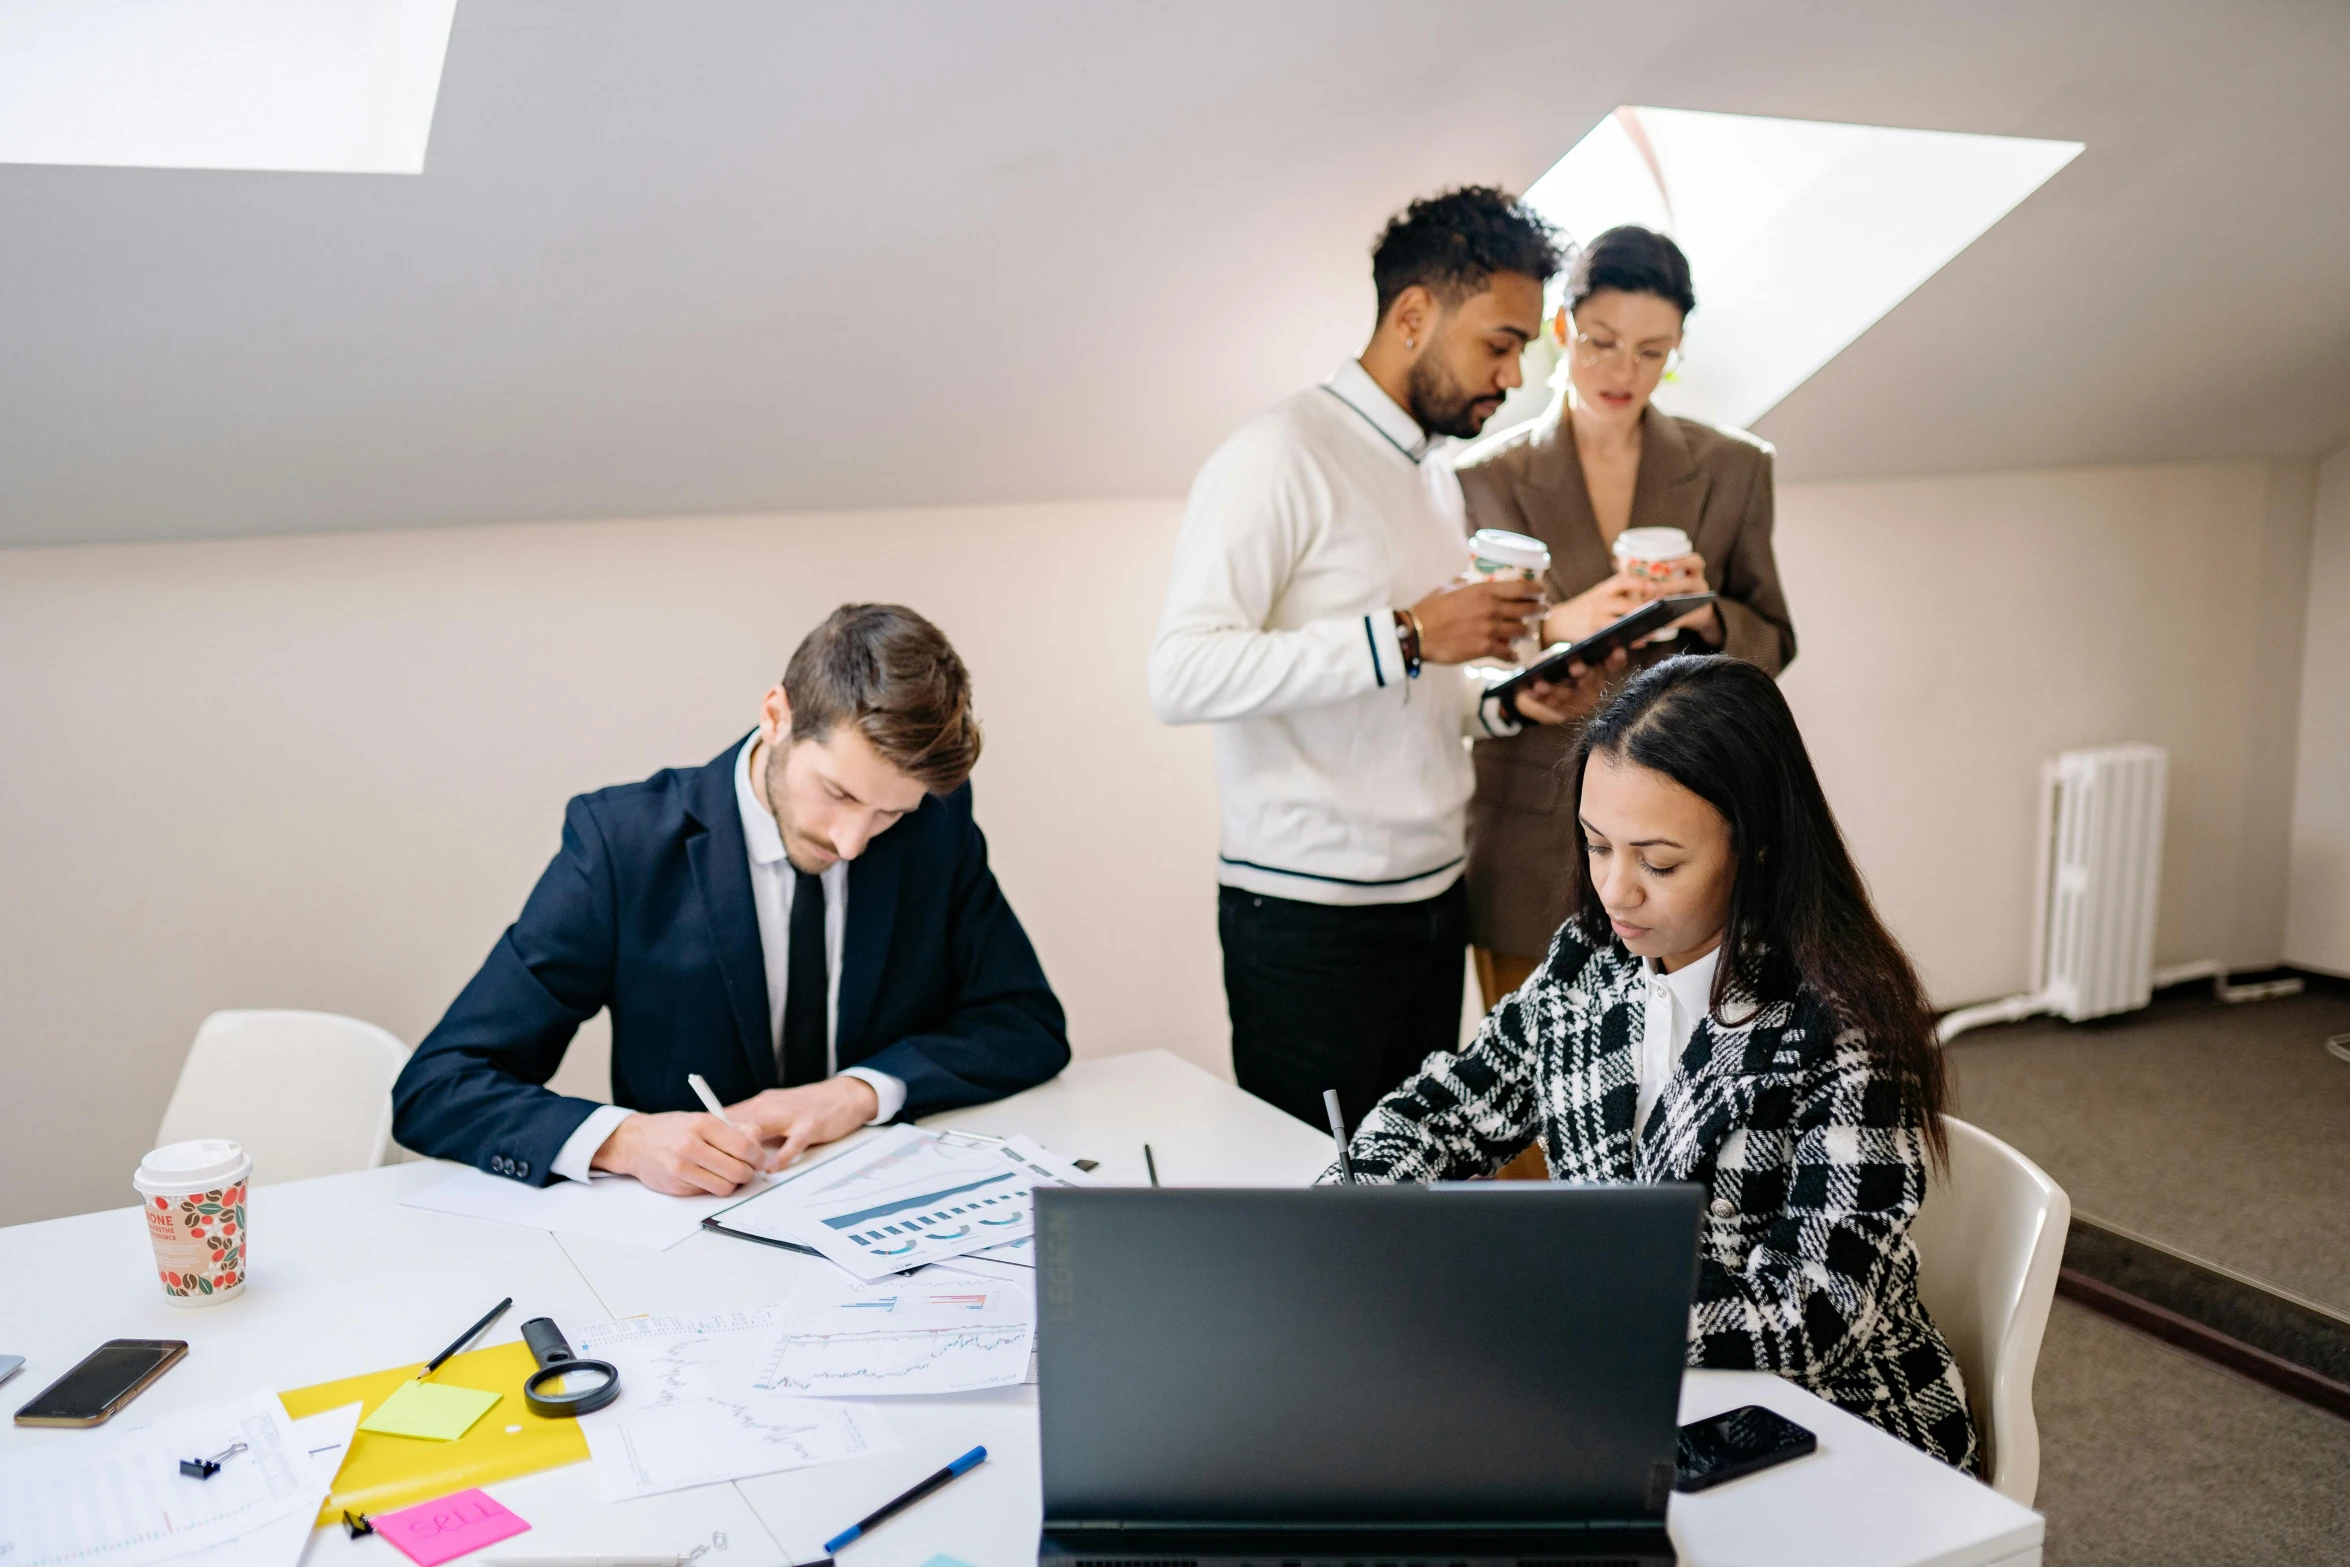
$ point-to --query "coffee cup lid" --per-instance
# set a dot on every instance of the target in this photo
(1652, 544)
(197, 1163)
(1509, 549)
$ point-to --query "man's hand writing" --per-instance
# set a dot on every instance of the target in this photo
(1469, 620)
(791, 1121)
(685, 1153)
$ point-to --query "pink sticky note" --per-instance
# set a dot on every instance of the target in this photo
(433, 1532)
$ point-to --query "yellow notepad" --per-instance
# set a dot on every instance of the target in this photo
(383, 1471)
(429, 1410)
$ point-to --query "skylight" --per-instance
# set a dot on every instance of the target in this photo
(309, 86)
(1800, 233)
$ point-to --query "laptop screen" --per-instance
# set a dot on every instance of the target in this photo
(1497, 1352)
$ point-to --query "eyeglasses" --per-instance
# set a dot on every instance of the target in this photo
(1647, 358)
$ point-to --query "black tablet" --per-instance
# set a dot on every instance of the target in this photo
(1650, 617)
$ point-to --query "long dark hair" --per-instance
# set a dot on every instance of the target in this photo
(1799, 914)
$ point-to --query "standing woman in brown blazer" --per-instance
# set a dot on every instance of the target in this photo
(1609, 461)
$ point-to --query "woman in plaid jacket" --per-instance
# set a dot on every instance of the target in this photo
(1803, 1088)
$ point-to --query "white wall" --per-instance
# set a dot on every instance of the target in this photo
(1954, 632)
(322, 772)
(2317, 922)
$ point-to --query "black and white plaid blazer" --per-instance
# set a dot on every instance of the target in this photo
(1805, 1263)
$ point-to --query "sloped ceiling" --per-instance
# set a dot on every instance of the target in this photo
(739, 255)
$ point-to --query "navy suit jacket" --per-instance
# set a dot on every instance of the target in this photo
(646, 909)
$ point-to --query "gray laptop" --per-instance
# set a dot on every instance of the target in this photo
(1475, 1375)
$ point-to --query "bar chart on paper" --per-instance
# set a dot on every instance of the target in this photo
(908, 1198)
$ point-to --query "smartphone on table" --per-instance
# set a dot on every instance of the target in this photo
(1737, 1442)
(113, 1374)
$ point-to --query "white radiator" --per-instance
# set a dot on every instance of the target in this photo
(2100, 875)
(2094, 892)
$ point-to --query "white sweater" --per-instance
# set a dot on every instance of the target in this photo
(1343, 782)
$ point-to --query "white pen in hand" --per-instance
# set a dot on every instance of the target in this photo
(694, 1081)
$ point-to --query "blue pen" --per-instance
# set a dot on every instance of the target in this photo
(856, 1531)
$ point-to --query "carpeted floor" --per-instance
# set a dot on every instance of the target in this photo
(2151, 1456)
(2221, 1131)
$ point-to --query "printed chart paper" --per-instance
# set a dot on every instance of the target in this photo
(121, 1500)
(907, 1198)
(936, 1331)
(689, 1415)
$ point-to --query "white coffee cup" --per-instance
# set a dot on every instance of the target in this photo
(193, 1195)
(1495, 553)
(1643, 552)
(1498, 555)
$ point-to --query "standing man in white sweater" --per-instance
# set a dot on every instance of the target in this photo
(1315, 617)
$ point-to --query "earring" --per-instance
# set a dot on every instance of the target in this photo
(1408, 343)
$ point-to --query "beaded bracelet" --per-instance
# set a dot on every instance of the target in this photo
(1407, 635)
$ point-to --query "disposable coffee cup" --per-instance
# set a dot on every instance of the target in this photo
(193, 1195)
(1498, 555)
(1643, 552)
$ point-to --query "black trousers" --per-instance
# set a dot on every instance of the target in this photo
(1345, 998)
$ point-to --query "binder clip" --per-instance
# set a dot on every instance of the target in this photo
(206, 1468)
(356, 1526)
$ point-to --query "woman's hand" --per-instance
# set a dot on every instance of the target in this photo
(1594, 609)
(1687, 575)
(1554, 702)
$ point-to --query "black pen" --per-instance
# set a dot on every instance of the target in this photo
(1346, 1168)
(1150, 1164)
(464, 1338)
(963, 1465)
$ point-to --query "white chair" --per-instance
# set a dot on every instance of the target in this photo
(1990, 1238)
(307, 1093)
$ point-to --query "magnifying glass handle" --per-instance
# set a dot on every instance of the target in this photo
(546, 1341)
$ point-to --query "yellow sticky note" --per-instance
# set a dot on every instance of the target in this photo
(427, 1409)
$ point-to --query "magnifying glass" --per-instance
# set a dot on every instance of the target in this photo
(564, 1385)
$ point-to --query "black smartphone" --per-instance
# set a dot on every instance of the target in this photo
(113, 1374)
(1652, 616)
(1736, 1443)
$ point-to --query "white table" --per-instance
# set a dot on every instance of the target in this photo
(343, 1277)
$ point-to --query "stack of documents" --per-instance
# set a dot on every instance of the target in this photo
(731, 1394)
(120, 1498)
(907, 1198)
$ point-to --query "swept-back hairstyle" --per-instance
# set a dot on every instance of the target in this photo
(894, 677)
(1799, 913)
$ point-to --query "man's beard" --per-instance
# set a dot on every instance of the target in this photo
(1438, 402)
(795, 842)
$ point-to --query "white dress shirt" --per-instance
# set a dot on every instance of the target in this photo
(1675, 1002)
(1342, 781)
(773, 882)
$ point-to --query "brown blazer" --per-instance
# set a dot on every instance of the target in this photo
(1714, 485)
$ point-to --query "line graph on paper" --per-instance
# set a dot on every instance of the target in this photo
(689, 1415)
(897, 1360)
(668, 1447)
(937, 1330)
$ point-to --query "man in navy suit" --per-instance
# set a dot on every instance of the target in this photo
(808, 922)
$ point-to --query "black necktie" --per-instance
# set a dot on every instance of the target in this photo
(806, 986)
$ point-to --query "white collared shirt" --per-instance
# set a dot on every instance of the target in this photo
(1674, 1004)
(1343, 781)
(773, 882)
